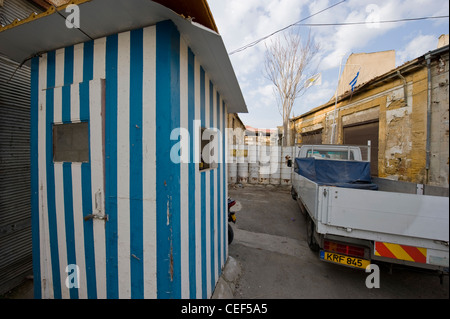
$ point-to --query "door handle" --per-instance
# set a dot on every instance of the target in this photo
(98, 208)
(95, 216)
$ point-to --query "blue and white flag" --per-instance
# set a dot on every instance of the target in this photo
(353, 82)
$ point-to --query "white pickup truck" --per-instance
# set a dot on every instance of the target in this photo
(353, 219)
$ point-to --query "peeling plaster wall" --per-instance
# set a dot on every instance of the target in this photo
(439, 160)
(398, 143)
(397, 123)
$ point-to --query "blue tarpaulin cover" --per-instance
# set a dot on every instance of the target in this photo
(350, 174)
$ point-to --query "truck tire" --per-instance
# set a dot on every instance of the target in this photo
(310, 230)
(293, 193)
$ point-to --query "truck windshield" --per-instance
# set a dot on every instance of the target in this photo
(338, 155)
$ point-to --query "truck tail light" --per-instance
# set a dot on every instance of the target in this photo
(345, 249)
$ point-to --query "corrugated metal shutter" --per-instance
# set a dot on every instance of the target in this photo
(16, 9)
(15, 205)
(314, 137)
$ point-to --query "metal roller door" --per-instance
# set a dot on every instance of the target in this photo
(359, 134)
(314, 137)
(15, 203)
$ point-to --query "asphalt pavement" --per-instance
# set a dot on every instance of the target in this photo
(275, 261)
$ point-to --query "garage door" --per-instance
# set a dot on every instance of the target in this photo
(359, 134)
(15, 193)
(314, 137)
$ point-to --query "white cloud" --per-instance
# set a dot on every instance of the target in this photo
(417, 47)
(348, 39)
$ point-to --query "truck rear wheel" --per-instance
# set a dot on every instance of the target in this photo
(293, 193)
(310, 230)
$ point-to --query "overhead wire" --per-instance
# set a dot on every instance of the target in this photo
(299, 23)
(369, 22)
(282, 29)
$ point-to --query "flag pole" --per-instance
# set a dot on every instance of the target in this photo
(333, 127)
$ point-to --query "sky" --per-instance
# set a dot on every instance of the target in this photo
(241, 22)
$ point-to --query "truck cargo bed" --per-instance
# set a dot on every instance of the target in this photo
(342, 200)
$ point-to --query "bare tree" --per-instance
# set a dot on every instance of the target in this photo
(288, 65)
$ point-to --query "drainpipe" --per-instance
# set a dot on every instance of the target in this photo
(428, 146)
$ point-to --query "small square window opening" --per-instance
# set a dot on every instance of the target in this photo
(71, 142)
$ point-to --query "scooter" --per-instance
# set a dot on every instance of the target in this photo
(233, 207)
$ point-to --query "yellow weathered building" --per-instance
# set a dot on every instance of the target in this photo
(403, 112)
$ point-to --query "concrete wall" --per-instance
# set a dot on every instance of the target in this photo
(439, 159)
(369, 65)
(403, 132)
(443, 40)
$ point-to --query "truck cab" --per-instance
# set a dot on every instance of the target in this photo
(334, 152)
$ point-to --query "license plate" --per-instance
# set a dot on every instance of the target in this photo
(344, 260)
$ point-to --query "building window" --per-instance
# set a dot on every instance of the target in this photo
(209, 149)
(71, 142)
